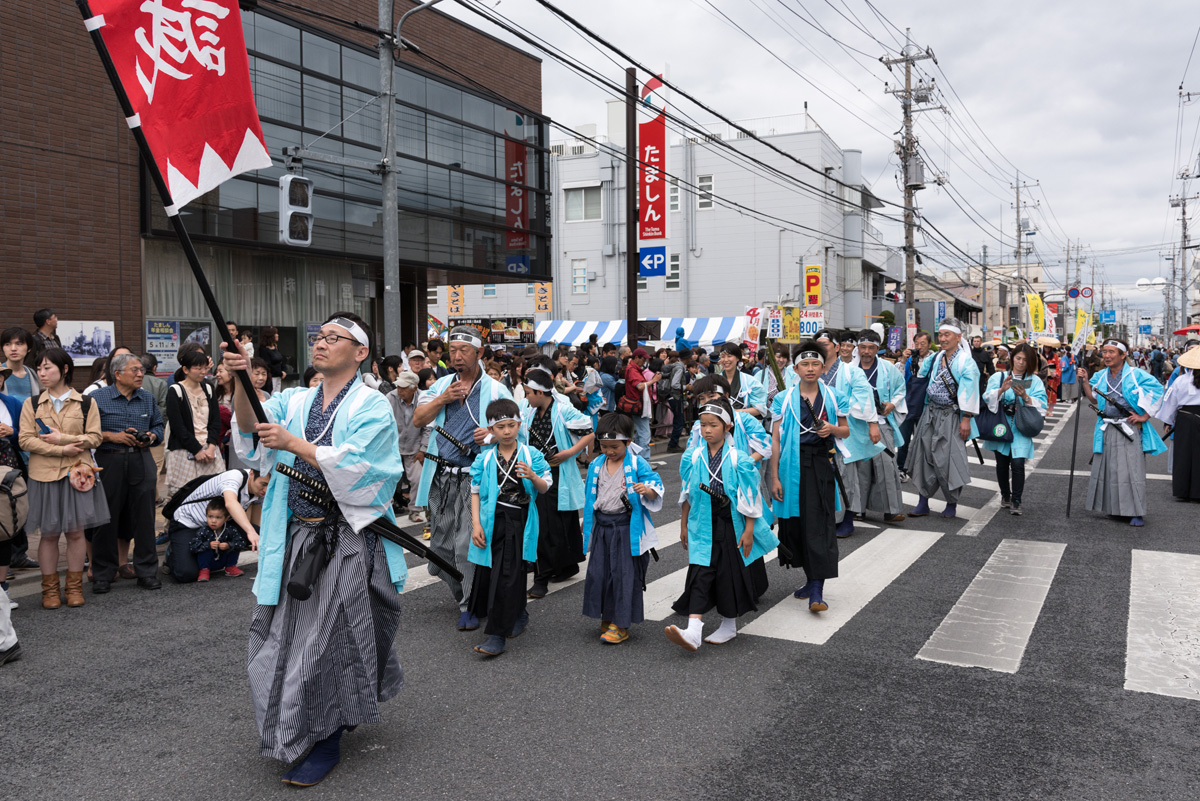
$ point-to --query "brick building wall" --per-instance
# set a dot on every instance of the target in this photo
(69, 203)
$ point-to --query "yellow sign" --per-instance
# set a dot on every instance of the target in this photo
(1081, 324)
(812, 285)
(541, 298)
(457, 297)
(1037, 313)
(801, 324)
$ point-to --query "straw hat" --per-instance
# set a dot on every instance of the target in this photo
(1191, 359)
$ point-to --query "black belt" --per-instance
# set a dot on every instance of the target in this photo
(513, 499)
(937, 405)
(121, 449)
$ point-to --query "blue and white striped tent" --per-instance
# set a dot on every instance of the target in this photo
(702, 331)
(576, 332)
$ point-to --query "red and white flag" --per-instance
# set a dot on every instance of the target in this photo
(183, 66)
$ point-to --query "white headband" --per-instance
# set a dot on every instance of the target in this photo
(809, 355)
(493, 420)
(614, 436)
(360, 336)
(463, 336)
(535, 385)
(1114, 343)
(954, 329)
(717, 411)
(825, 336)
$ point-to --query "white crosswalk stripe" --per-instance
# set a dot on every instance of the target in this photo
(1162, 651)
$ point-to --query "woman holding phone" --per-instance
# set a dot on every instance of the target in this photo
(59, 433)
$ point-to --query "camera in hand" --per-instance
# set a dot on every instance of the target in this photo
(142, 437)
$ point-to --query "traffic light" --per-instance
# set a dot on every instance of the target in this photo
(295, 210)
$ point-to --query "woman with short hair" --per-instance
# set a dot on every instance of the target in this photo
(194, 417)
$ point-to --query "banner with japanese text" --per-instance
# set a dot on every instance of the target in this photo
(812, 285)
(652, 161)
(753, 328)
(1037, 313)
(800, 324)
(516, 205)
(183, 66)
(541, 297)
(455, 300)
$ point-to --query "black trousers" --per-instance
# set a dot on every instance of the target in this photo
(1003, 465)
(129, 484)
(907, 428)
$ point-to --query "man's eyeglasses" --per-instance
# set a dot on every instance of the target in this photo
(331, 339)
(135, 370)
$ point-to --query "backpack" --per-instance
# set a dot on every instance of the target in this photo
(14, 503)
(85, 400)
(177, 500)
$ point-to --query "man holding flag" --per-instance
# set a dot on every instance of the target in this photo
(321, 657)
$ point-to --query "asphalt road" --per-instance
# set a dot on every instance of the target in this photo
(143, 695)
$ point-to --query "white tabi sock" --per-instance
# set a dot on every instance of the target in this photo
(694, 631)
(726, 632)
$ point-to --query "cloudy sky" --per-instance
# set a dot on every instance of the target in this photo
(1081, 97)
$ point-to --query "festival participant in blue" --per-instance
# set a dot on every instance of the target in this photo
(937, 456)
(1126, 397)
(802, 473)
(1069, 388)
(321, 666)
(722, 528)
(844, 376)
(622, 491)
(749, 437)
(1008, 390)
(878, 478)
(505, 481)
(746, 394)
(559, 432)
(456, 405)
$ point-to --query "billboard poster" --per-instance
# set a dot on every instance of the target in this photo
(164, 338)
(801, 324)
(507, 331)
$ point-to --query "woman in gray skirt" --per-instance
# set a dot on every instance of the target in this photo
(59, 428)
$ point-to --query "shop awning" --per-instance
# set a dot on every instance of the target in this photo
(576, 332)
(703, 331)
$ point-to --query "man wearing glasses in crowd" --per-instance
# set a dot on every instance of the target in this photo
(130, 424)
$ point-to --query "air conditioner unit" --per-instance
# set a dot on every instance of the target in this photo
(556, 149)
(591, 275)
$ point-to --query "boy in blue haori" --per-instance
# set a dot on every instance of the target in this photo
(559, 432)
(802, 473)
(456, 405)
(622, 491)
(937, 456)
(505, 480)
(722, 528)
(878, 478)
(844, 376)
(1126, 398)
(321, 666)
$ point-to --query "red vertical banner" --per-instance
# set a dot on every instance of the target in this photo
(516, 206)
(652, 158)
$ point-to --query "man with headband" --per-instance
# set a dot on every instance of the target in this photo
(878, 478)
(848, 380)
(1126, 397)
(456, 405)
(323, 665)
(937, 456)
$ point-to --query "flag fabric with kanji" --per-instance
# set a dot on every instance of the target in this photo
(184, 68)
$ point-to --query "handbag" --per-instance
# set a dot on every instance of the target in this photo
(993, 426)
(1028, 420)
(627, 405)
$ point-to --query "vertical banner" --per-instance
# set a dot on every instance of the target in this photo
(541, 297)
(455, 300)
(652, 161)
(1052, 319)
(939, 314)
(775, 324)
(910, 323)
(753, 326)
(516, 206)
(812, 285)
(894, 338)
(1037, 313)
(1081, 323)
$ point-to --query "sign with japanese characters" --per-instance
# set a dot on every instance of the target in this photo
(775, 324)
(801, 324)
(652, 161)
(541, 297)
(516, 207)
(455, 299)
(812, 285)
(183, 66)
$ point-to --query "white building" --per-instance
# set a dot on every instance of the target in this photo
(721, 259)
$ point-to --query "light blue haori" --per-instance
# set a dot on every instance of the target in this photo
(740, 481)
(1142, 393)
(787, 416)
(857, 396)
(485, 483)
(642, 536)
(361, 467)
(1021, 447)
(569, 425)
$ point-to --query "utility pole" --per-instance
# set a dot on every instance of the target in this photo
(1023, 302)
(984, 297)
(914, 169)
(631, 206)
(1179, 267)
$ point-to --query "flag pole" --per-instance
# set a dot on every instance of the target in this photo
(164, 192)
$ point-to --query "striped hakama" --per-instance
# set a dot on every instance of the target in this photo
(878, 480)
(937, 459)
(450, 529)
(615, 579)
(327, 661)
(1118, 483)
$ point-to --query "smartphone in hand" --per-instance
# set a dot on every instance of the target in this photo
(45, 429)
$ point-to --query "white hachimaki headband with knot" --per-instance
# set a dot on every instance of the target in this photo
(809, 355)
(613, 436)
(717, 411)
(954, 329)
(1115, 344)
(465, 336)
(355, 330)
(539, 387)
(503, 417)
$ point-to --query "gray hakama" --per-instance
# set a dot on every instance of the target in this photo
(1118, 483)
(849, 474)
(327, 661)
(878, 480)
(450, 528)
(937, 459)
